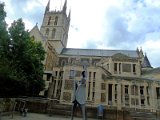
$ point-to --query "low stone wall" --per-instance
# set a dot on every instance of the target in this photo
(32, 104)
(46, 106)
(6, 104)
(109, 114)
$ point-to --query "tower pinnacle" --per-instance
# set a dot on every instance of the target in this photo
(47, 7)
(69, 15)
(65, 6)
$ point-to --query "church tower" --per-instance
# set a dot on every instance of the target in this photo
(55, 26)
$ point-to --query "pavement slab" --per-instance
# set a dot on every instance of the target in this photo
(35, 116)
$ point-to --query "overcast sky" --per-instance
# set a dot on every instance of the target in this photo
(101, 24)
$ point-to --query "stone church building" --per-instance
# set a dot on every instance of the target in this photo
(117, 79)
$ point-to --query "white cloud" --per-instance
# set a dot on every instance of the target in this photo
(9, 21)
(88, 20)
(151, 47)
(8, 7)
(30, 6)
(28, 24)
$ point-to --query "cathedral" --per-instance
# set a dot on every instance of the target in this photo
(116, 79)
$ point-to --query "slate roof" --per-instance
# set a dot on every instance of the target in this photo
(152, 73)
(146, 63)
(97, 52)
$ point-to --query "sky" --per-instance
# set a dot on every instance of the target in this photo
(100, 24)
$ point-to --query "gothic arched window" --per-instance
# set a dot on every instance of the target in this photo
(49, 20)
(47, 31)
(53, 33)
(56, 20)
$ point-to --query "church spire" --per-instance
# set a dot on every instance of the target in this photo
(65, 6)
(69, 15)
(146, 63)
(47, 7)
(141, 52)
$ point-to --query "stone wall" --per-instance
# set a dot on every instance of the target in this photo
(109, 114)
(6, 104)
(46, 106)
(32, 104)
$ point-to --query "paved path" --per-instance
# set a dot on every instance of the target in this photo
(34, 116)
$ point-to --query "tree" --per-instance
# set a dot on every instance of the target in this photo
(4, 39)
(21, 68)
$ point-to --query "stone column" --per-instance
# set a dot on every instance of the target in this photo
(145, 96)
(98, 93)
(139, 97)
(117, 68)
(121, 68)
(91, 90)
(129, 94)
(55, 91)
(62, 89)
(113, 94)
(153, 99)
(69, 60)
(87, 86)
(132, 69)
(107, 93)
(123, 95)
(51, 89)
(119, 102)
(90, 61)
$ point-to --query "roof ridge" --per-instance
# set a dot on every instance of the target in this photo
(98, 52)
(99, 49)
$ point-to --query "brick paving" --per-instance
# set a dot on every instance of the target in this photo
(34, 116)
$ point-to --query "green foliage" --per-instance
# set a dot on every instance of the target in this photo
(3, 31)
(21, 68)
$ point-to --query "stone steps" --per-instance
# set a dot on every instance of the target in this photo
(59, 110)
(143, 115)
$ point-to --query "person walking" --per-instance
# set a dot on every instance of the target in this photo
(80, 96)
